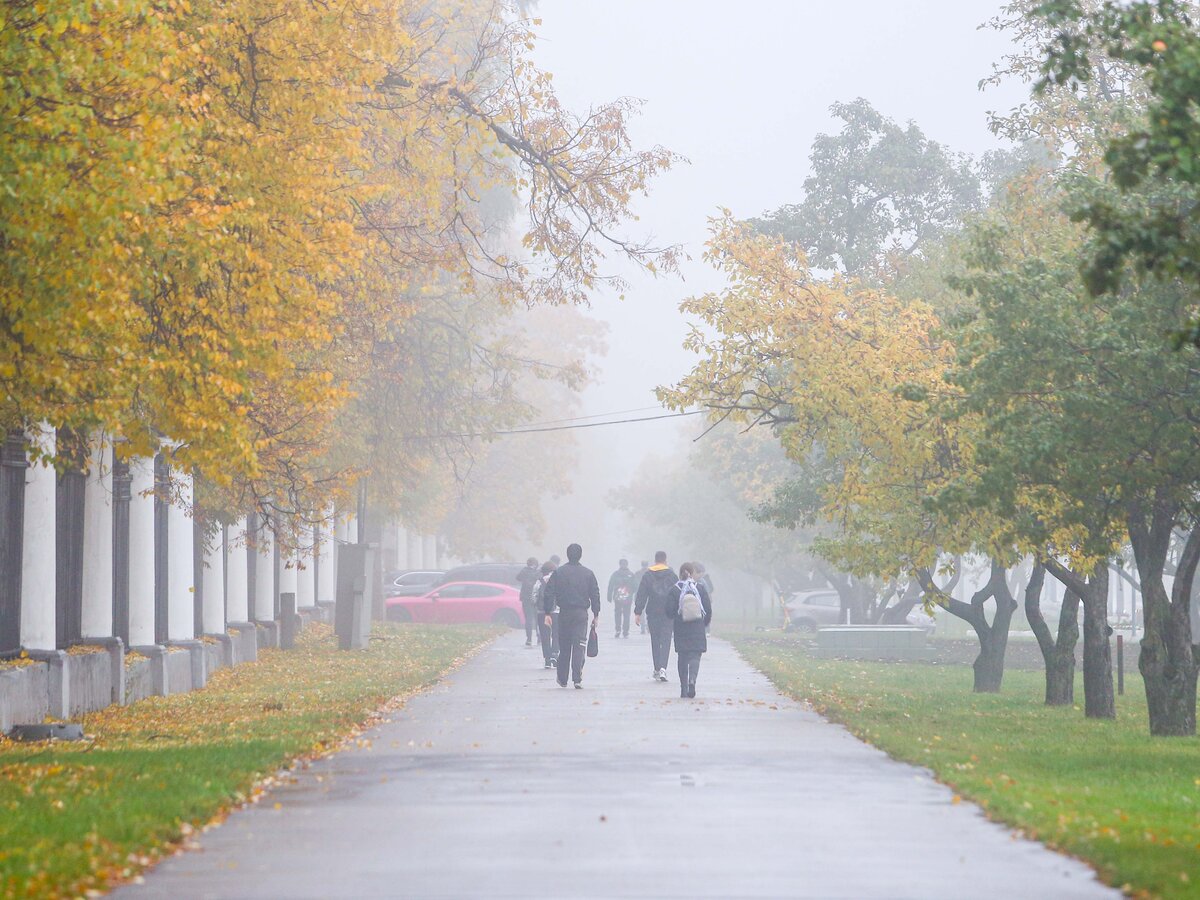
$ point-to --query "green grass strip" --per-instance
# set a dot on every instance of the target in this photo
(76, 817)
(1104, 791)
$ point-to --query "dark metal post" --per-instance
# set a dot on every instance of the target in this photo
(162, 494)
(121, 496)
(1120, 664)
(12, 537)
(68, 542)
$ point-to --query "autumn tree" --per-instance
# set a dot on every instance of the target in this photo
(847, 371)
(206, 232)
(878, 191)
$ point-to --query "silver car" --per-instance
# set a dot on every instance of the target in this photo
(809, 610)
(410, 582)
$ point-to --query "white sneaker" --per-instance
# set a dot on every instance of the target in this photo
(662, 674)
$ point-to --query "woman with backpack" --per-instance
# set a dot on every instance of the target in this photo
(690, 609)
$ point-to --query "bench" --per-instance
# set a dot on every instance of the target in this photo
(893, 642)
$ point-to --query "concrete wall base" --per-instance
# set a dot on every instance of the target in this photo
(245, 642)
(116, 659)
(157, 656)
(24, 695)
(268, 634)
(179, 669)
(139, 680)
(89, 680)
(220, 653)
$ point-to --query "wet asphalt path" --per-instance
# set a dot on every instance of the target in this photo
(497, 783)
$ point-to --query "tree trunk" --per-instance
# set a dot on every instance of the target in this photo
(1058, 655)
(989, 665)
(897, 614)
(1098, 699)
(993, 638)
(1167, 660)
(1060, 675)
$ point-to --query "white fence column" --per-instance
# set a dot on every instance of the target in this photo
(402, 561)
(213, 613)
(181, 620)
(97, 620)
(237, 573)
(141, 551)
(306, 579)
(38, 553)
(430, 556)
(288, 573)
(414, 549)
(326, 573)
(264, 574)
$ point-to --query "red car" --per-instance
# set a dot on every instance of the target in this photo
(460, 601)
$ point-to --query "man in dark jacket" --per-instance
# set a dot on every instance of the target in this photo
(621, 588)
(526, 578)
(572, 589)
(652, 596)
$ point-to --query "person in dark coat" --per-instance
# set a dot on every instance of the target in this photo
(547, 618)
(652, 597)
(572, 589)
(620, 595)
(526, 578)
(691, 638)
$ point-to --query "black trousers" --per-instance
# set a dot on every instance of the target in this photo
(661, 631)
(531, 618)
(689, 667)
(548, 635)
(622, 610)
(572, 643)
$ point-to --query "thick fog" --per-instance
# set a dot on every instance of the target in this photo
(740, 90)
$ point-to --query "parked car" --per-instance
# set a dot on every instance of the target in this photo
(493, 573)
(460, 601)
(410, 582)
(809, 610)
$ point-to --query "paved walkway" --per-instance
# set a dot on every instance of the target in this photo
(497, 783)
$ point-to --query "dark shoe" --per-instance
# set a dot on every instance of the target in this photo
(683, 693)
(548, 665)
(692, 691)
(562, 684)
(529, 643)
(578, 685)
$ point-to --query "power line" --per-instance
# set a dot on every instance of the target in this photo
(540, 430)
(615, 412)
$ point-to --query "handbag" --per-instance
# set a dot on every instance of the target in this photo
(593, 647)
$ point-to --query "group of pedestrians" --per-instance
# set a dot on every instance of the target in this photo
(671, 605)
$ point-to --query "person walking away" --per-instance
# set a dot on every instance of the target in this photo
(637, 584)
(547, 619)
(652, 598)
(690, 610)
(572, 589)
(526, 578)
(620, 595)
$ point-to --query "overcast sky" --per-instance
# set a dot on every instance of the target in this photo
(740, 89)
